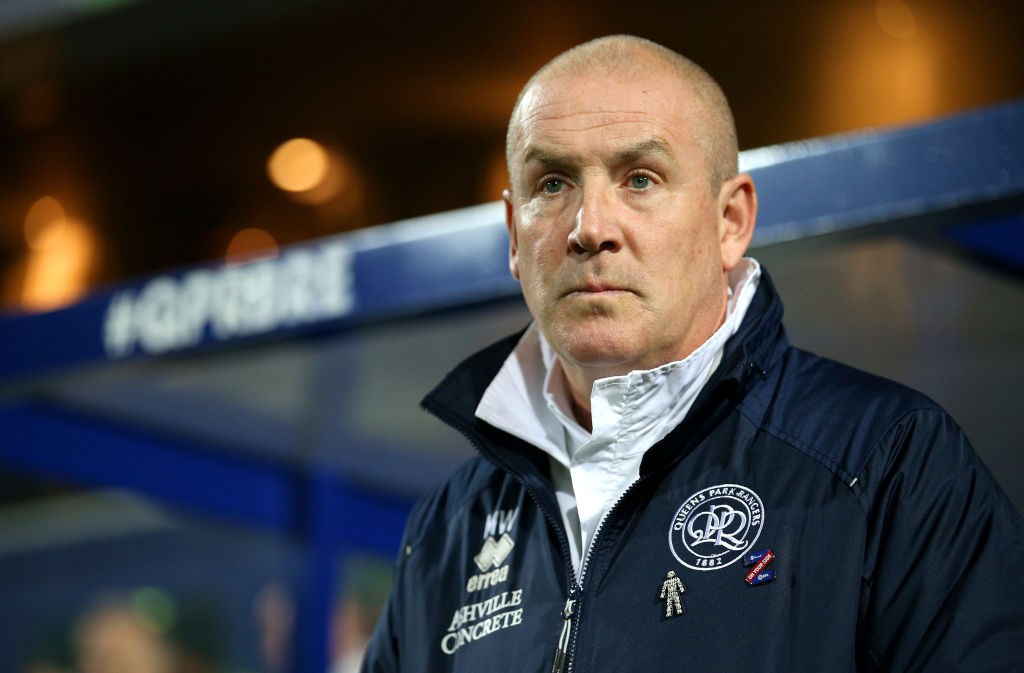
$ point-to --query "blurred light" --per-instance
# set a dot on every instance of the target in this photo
(114, 636)
(251, 243)
(865, 78)
(336, 178)
(156, 607)
(45, 223)
(298, 165)
(896, 18)
(58, 273)
(275, 615)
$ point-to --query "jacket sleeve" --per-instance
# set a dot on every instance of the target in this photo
(943, 587)
(382, 652)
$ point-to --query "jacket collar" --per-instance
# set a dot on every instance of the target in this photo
(748, 355)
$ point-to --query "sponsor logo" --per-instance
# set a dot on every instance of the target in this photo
(474, 621)
(716, 526)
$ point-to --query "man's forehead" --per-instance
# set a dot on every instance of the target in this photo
(637, 109)
(616, 134)
(609, 94)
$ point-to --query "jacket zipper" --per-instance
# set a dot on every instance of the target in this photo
(562, 652)
(567, 641)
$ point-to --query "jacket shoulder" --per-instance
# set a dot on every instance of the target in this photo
(436, 508)
(836, 414)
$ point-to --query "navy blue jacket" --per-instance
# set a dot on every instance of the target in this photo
(805, 516)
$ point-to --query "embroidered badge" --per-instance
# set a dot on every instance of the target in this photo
(753, 557)
(672, 590)
(497, 546)
(716, 527)
(494, 552)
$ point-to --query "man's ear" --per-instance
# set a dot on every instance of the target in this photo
(737, 213)
(513, 242)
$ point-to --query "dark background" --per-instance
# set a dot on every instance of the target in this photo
(151, 121)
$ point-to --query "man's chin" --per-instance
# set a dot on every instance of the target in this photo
(609, 354)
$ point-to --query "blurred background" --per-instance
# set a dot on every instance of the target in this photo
(143, 136)
(135, 135)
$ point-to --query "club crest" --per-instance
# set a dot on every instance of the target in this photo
(716, 526)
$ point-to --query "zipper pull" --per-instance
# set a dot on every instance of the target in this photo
(562, 653)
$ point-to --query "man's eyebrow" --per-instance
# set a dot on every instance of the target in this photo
(644, 148)
(548, 157)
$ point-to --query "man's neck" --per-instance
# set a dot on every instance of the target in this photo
(581, 409)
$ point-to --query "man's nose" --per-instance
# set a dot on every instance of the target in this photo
(597, 224)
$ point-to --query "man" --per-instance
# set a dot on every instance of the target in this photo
(654, 423)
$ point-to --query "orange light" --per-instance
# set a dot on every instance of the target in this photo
(865, 78)
(896, 18)
(58, 273)
(251, 243)
(298, 165)
(45, 223)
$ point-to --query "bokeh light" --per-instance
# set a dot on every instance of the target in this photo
(250, 243)
(157, 608)
(61, 260)
(45, 223)
(298, 165)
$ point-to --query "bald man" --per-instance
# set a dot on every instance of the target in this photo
(652, 422)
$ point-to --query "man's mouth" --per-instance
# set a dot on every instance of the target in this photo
(596, 287)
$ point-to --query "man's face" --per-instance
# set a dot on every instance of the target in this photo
(615, 234)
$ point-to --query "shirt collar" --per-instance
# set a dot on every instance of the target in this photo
(529, 397)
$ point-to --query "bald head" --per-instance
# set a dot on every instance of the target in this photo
(627, 55)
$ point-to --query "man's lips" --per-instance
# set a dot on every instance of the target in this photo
(597, 288)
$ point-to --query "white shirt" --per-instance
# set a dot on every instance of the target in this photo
(529, 398)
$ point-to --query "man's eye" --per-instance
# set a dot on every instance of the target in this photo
(639, 181)
(552, 186)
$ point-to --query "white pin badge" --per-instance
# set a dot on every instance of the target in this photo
(672, 593)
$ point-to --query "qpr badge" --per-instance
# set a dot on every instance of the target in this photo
(715, 527)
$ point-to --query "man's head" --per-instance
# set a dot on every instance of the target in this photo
(625, 212)
(718, 130)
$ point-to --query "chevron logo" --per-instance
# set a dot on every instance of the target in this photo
(494, 552)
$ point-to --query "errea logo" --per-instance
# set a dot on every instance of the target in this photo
(497, 541)
(716, 526)
(494, 553)
(497, 546)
